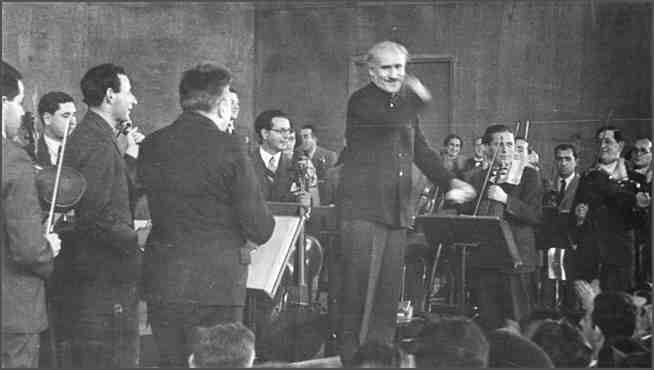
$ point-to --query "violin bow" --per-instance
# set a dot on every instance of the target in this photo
(485, 183)
(60, 162)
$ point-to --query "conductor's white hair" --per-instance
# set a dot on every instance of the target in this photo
(376, 49)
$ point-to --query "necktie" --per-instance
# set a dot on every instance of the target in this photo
(559, 198)
(272, 165)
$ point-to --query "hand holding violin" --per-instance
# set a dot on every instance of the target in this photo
(55, 243)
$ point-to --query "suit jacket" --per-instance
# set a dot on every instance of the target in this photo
(275, 186)
(523, 212)
(607, 234)
(42, 155)
(555, 231)
(27, 258)
(205, 201)
(382, 144)
(105, 245)
(323, 159)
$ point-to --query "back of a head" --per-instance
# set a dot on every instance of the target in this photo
(376, 354)
(615, 313)
(563, 343)
(510, 349)
(202, 86)
(224, 345)
(9, 77)
(450, 342)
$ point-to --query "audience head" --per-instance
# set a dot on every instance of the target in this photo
(641, 155)
(564, 344)
(511, 349)
(386, 65)
(450, 342)
(615, 313)
(108, 89)
(13, 92)
(375, 354)
(309, 141)
(499, 138)
(205, 89)
(565, 157)
(610, 142)
(453, 145)
(57, 110)
(274, 130)
(223, 345)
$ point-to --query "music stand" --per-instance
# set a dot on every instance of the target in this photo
(491, 238)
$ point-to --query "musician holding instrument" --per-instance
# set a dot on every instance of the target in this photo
(611, 202)
(56, 110)
(512, 191)
(28, 249)
(383, 138)
(208, 213)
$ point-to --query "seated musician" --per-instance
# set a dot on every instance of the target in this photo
(506, 292)
(276, 172)
(610, 203)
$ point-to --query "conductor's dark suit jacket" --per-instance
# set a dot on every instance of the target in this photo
(27, 258)
(205, 201)
(105, 248)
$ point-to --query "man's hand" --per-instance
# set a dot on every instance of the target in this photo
(134, 137)
(495, 192)
(460, 192)
(414, 84)
(581, 210)
(643, 200)
(55, 243)
(304, 198)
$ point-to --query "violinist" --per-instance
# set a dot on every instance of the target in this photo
(57, 111)
(610, 203)
(28, 249)
(506, 293)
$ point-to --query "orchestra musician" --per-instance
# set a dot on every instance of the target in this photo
(28, 249)
(506, 293)
(611, 202)
(383, 140)
(208, 213)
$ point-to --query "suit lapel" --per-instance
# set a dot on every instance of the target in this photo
(568, 197)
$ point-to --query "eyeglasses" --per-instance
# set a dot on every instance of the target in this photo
(642, 150)
(282, 131)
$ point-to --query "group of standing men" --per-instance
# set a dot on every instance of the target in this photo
(207, 201)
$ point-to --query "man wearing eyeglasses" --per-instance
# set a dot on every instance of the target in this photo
(277, 173)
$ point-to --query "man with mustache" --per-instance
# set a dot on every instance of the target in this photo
(106, 258)
(383, 140)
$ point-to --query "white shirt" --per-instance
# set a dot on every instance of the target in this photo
(53, 146)
(267, 156)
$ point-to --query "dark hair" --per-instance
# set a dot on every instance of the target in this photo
(377, 354)
(97, 80)
(452, 136)
(451, 342)
(309, 126)
(10, 77)
(615, 313)
(264, 121)
(224, 345)
(566, 146)
(563, 343)
(617, 134)
(492, 130)
(202, 85)
(51, 101)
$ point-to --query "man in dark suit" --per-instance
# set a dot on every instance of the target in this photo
(56, 110)
(322, 159)
(208, 211)
(277, 173)
(105, 258)
(383, 140)
(506, 291)
(27, 249)
(555, 237)
(611, 201)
